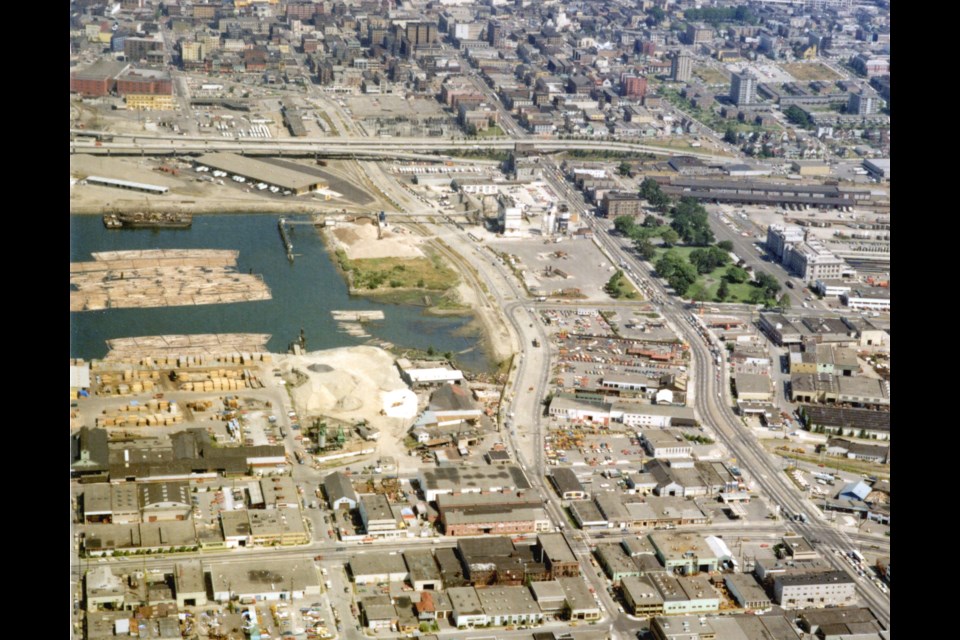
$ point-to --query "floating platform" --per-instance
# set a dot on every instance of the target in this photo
(148, 220)
(161, 278)
(199, 344)
(358, 316)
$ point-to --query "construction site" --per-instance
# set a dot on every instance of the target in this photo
(161, 278)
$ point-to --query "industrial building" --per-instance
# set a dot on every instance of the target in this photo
(260, 580)
(339, 491)
(373, 568)
(553, 550)
(128, 185)
(769, 193)
(567, 485)
(471, 479)
(297, 182)
(814, 590)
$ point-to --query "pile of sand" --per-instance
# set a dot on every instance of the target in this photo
(359, 241)
(351, 384)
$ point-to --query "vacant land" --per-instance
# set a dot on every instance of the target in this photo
(807, 71)
(709, 75)
(428, 273)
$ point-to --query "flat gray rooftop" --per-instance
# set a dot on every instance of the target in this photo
(261, 171)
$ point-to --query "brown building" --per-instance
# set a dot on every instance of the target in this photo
(633, 86)
(301, 10)
(144, 82)
(555, 553)
(136, 49)
(507, 522)
(99, 79)
(615, 204)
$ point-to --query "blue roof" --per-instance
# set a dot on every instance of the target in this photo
(859, 489)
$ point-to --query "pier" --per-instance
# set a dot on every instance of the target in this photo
(285, 238)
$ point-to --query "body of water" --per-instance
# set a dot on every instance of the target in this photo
(304, 292)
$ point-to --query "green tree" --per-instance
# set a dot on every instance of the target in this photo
(784, 301)
(726, 245)
(699, 294)
(723, 291)
(655, 16)
(708, 259)
(678, 273)
(652, 221)
(730, 136)
(624, 225)
(649, 187)
(670, 237)
(624, 169)
(736, 275)
(797, 116)
(613, 284)
(645, 249)
(770, 286)
(757, 295)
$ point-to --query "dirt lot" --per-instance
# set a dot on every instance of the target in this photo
(807, 71)
(359, 241)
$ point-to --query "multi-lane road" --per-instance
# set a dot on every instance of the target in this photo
(84, 141)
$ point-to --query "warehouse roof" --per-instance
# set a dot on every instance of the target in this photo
(586, 512)
(464, 601)
(507, 601)
(101, 70)
(339, 486)
(80, 376)
(262, 171)
(816, 577)
(676, 546)
(577, 594)
(189, 577)
(671, 411)
(475, 477)
(257, 576)
(641, 591)
(847, 418)
(556, 548)
(421, 564)
(752, 383)
(566, 480)
(126, 184)
(376, 564)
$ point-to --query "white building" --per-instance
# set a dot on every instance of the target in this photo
(819, 589)
(570, 408)
(635, 414)
(509, 216)
(863, 299)
(467, 609)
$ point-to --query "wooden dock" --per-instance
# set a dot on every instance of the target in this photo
(358, 316)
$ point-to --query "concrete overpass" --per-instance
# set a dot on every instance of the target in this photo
(106, 143)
